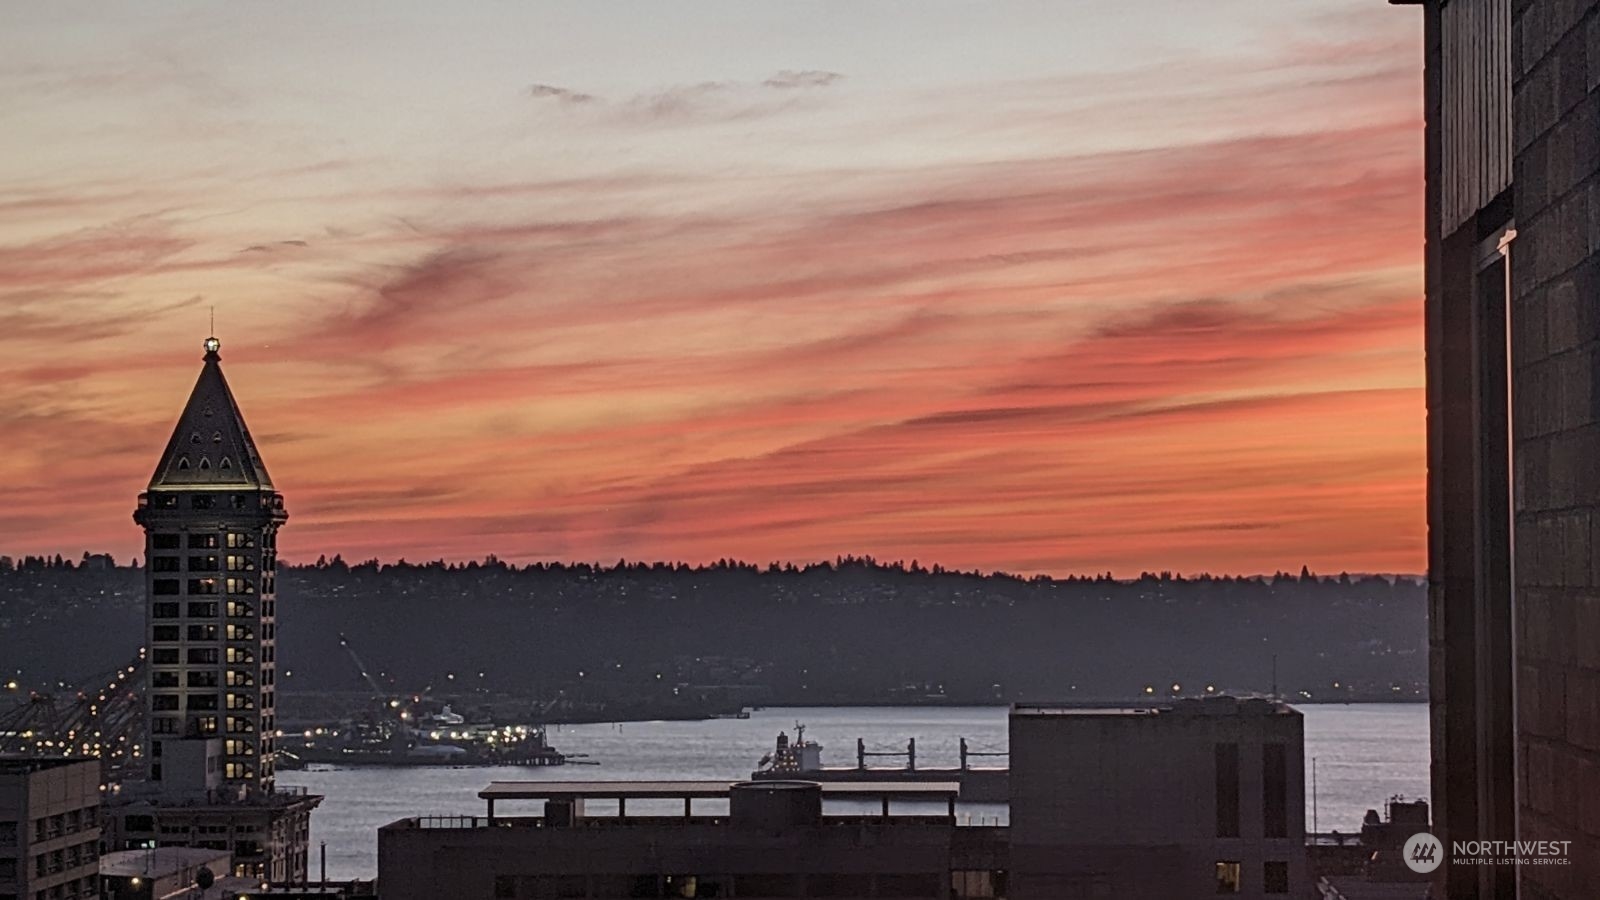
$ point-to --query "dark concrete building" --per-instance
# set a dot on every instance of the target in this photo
(758, 839)
(1199, 797)
(1513, 361)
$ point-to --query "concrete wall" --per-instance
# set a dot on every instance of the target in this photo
(1126, 804)
(1556, 353)
(425, 863)
(50, 817)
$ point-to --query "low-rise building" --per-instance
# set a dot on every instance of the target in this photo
(1168, 802)
(266, 832)
(49, 829)
(762, 839)
(1200, 797)
(161, 872)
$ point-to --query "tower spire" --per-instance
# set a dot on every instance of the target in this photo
(211, 446)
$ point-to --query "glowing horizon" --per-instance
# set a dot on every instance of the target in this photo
(1014, 291)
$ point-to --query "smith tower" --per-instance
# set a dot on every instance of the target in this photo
(211, 518)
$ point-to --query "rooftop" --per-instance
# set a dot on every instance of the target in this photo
(210, 446)
(162, 861)
(680, 790)
(27, 765)
(1215, 705)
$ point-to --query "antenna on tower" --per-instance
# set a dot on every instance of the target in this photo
(213, 320)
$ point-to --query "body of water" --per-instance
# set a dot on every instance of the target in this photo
(1364, 754)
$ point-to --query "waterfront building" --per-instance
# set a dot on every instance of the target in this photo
(1186, 799)
(1513, 338)
(163, 872)
(49, 828)
(758, 839)
(1192, 798)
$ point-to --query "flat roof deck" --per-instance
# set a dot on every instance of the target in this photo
(701, 790)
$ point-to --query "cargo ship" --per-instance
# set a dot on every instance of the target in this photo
(802, 759)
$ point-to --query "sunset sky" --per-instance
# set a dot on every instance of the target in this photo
(1040, 286)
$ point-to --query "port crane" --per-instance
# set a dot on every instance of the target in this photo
(102, 719)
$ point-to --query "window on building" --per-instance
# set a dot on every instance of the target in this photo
(1275, 790)
(203, 679)
(203, 610)
(202, 586)
(165, 541)
(203, 541)
(768, 885)
(163, 610)
(1274, 877)
(203, 656)
(849, 885)
(240, 541)
(240, 655)
(1228, 876)
(202, 501)
(165, 563)
(206, 724)
(240, 586)
(908, 885)
(164, 656)
(240, 563)
(164, 586)
(629, 885)
(206, 563)
(203, 701)
(164, 633)
(969, 883)
(203, 632)
(164, 679)
(164, 702)
(1227, 766)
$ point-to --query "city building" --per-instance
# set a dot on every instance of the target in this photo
(1191, 798)
(211, 519)
(267, 835)
(165, 872)
(49, 829)
(1370, 864)
(1186, 799)
(757, 839)
(1512, 148)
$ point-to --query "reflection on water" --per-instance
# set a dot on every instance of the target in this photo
(1364, 754)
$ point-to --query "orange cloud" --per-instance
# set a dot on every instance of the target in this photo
(1198, 352)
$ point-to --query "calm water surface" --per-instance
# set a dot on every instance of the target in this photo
(1364, 754)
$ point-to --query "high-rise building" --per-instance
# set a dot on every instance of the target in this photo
(211, 519)
(1512, 254)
